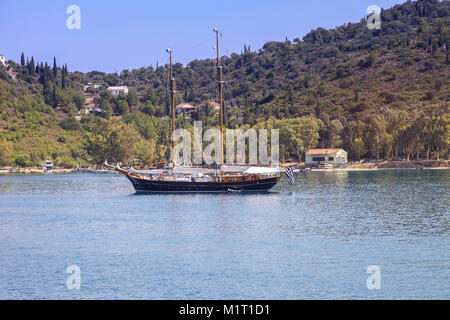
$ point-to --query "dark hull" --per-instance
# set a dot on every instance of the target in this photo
(148, 186)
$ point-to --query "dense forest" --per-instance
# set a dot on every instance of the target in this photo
(381, 94)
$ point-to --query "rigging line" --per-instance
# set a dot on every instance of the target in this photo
(197, 45)
(190, 59)
(221, 50)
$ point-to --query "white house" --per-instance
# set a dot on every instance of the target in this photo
(336, 156)
(2, 59)
(92, 85)
(118, 90)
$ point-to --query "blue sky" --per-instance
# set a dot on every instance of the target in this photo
(117, 35)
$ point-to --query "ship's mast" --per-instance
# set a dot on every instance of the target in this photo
(172, 96)
(220, 82)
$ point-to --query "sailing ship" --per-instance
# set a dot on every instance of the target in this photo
(190, 179)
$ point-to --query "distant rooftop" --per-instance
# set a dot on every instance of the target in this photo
(118, 88)
(323, 151)
(215, 105)
(185, 106)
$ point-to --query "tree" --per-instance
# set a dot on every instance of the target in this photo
(31, 66)
(408, 138)
(121, 141)
(55, 69)
(377, 137)
(150, 95)
(54, 97)
(5, 153)
(112, 140)
(146, 151)
(334, 133)
(298, 135)
(396, 120)
(79, 99)
(446, 52)
(107, 109)
(358, 148)
(63, 77)
(22, 60)
(122, 107)
(438, 134)
(354, 135)
(132, 97)
(70, 123)
(106, 95)
(148, 108)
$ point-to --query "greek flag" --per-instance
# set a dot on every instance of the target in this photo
(290, 174)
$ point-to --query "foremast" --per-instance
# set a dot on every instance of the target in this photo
(172, 99)
(220, 83)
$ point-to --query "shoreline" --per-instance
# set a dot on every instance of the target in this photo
(375, 169)
(384, 166)
(379, 166)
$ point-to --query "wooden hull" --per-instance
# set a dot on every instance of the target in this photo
(156, 186)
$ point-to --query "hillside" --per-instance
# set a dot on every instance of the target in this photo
(377, 93)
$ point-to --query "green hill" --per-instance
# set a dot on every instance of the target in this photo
(377, 93)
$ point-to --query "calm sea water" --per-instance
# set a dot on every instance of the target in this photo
(314, 240)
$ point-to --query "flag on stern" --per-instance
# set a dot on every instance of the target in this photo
(290, 174)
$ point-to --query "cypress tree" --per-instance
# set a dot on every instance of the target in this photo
(31, 66)
(63, 77)
(55, 102)
(55, 68)
(22, 59)
(66, 74)
(446, 52)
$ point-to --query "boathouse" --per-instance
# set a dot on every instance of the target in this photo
(337, 156)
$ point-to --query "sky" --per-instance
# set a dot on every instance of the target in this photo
(117, 35)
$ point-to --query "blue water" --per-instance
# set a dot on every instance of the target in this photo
(311, 241)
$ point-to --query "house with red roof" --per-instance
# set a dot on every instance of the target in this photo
(186, 107)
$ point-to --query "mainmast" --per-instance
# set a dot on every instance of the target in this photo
(172, 96)
(220, 82)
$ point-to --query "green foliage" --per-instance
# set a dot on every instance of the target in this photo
(297, 135)
(70, 124)
(5, 153)
(115, 142)
(122, 107)
(376, 93)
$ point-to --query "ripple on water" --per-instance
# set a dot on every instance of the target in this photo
(312, 240)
